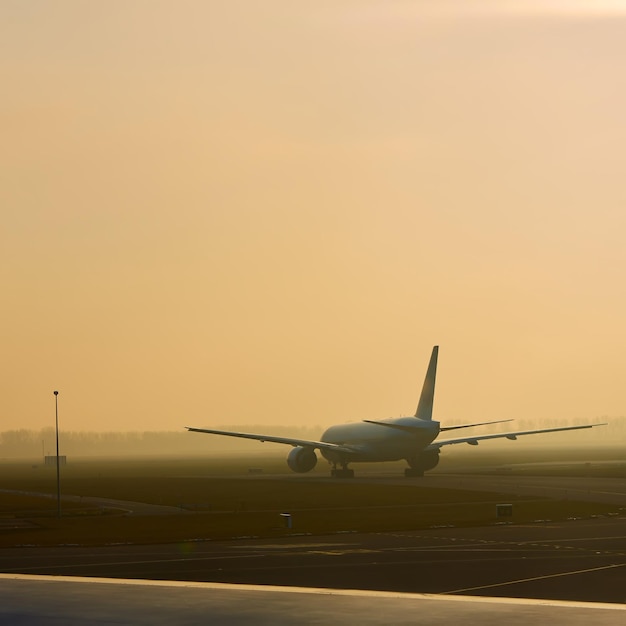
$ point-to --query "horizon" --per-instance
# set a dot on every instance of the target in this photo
(76, 444)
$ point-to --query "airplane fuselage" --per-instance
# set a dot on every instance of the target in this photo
(373, 442)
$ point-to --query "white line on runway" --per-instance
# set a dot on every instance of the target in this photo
(574, 539)
(151, 562)
(525, 580)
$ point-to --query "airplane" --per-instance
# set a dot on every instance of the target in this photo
(413, 438)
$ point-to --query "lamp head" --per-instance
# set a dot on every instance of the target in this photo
(56, 393)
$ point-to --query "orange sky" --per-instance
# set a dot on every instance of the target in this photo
(268, 212)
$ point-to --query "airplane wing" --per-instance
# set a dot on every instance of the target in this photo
(322, 445)
(473, 441)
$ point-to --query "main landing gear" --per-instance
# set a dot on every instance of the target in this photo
(409, 472)
(421, 463)
(344, 472)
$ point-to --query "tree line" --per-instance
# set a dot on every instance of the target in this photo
(39, 443)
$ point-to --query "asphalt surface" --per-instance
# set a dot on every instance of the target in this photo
(32, 601)
(574, 560)
(123, 506)
(577, 560)
(585, 488)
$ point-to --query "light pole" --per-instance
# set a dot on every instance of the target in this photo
(56, 411)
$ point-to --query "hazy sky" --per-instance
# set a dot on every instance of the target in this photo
(268, 212)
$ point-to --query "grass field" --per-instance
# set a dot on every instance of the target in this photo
(217, 498)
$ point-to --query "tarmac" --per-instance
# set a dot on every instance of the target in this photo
(124, 506)
(582, 488)
(575, 560)
(571, 571)
(36, 600)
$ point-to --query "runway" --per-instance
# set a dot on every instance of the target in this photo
(582, 488)
(577, 560)
(32, 601)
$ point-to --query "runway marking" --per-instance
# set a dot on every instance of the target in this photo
(151, 561)
(582, 539)
(524, 580)
(281, 546)
(339, 552)
(329, 553)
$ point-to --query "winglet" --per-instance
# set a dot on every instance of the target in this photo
(425, 404)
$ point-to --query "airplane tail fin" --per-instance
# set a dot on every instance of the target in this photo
(425, 404)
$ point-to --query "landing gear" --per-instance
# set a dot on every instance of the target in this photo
(421, 463)
(344, 472)
(409, 472)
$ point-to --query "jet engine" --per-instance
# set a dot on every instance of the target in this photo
(302, 459)
(424, 461)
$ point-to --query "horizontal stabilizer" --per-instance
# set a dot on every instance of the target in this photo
(471, 425)
(418, 428)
